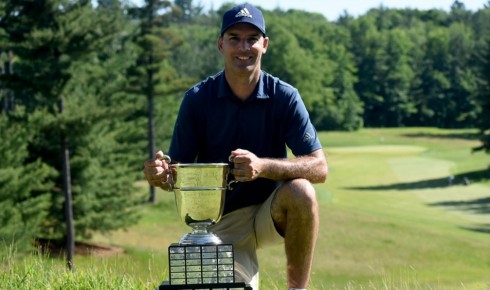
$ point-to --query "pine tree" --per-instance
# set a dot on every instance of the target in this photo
(72, 60)
(24, 186)
(484, 98)
(152, 76)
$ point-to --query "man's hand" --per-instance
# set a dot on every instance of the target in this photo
(157, 171)
(247, 166)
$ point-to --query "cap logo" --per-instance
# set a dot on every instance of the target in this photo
(243, 13)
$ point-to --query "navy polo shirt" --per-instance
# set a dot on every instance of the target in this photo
(212, 122)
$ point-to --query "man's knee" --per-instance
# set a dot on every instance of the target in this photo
(297, 194)
(294, 198)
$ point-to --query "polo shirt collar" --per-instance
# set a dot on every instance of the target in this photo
(224, 89)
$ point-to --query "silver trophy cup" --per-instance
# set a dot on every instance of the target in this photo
(199, 190)
(200, 257)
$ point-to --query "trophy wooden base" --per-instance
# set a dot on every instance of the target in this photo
(216, 286)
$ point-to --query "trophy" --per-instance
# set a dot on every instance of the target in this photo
(200, 260)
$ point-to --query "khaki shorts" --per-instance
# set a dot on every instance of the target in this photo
(248, 229)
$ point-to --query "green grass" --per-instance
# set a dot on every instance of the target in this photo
(389, 220)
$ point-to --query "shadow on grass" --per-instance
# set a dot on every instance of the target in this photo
(459, 179)
(478, 206)
(484, 229)
(465, 136)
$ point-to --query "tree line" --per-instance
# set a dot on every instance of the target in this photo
(89, 89)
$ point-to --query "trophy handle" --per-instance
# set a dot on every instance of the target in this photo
(231, 182)
(170, 178)
(166, 158)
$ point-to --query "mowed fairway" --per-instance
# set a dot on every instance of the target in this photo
(389, 219)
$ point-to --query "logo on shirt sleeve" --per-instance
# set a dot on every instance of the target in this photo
(307, 137)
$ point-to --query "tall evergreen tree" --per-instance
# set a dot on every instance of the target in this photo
(152, 76)
(189, 10)
(24, 186)
(459, 13)
(485, 92)
(434, 81)
(305, 63)
(461, 75)
(396, 80)
(71, 60)
(197, 48)
(6, 65)
(369, 54)
(483, 123)
(347, 114)
(417, 37)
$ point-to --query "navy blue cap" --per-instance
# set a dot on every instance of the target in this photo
(243, 13)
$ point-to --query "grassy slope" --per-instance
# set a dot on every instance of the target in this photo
(388, 221)
(384, 219)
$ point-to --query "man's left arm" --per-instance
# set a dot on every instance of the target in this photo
(247, 167)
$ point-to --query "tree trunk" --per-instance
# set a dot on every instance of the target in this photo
(7, 94)
(70, 230)
(151, 133)
(151, 107)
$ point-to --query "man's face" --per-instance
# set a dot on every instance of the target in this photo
(242, 46)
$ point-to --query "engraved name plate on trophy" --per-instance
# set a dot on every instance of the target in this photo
(201, 264)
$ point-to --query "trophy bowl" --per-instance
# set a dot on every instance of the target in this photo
(200, 190)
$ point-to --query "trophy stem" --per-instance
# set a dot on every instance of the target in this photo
(200, 235)
(200, 228)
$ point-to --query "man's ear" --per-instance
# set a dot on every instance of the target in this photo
(266, 44)
(220, 44)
